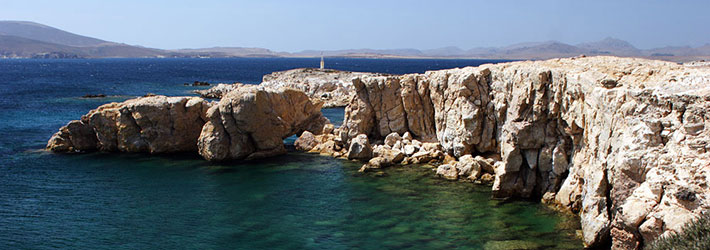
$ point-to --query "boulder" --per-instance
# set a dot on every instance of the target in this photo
(407, 136)
(306, 141)
(447, 171)
(328, 128)
(360, 148)
(410, 150)
(392, 138)
(469, 167)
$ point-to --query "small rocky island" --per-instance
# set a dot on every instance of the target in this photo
(623, 142)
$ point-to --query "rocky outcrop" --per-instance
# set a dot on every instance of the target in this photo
(476, 169)
(251, 122)
(247, 123)
(621, 141)
(156, 124)
(218, 91)
(332, 87)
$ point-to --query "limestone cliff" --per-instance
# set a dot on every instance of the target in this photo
(621, 141)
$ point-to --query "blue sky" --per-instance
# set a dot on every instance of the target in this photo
(298, 25)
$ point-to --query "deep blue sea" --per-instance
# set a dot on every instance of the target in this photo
(295, 201)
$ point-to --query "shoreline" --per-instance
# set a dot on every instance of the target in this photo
(560, 129)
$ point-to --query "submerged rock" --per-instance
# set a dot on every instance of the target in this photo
(94, 96)
(511, 245)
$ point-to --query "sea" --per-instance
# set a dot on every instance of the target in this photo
(180, 201)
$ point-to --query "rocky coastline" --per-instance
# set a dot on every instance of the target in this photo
(249, 123)
(620, 141)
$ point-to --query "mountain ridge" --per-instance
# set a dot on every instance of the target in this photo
(24, 39)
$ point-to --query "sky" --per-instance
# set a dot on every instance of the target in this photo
(380, 24)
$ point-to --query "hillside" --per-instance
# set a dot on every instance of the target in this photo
(230, 52)
(44, 33)
(20, 39)
(18, 47)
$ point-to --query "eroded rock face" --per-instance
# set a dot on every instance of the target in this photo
(156, 124)
(251, 122)
(614, 139)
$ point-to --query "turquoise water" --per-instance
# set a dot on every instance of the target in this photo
(295, 201)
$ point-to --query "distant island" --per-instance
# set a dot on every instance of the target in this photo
(23, 39)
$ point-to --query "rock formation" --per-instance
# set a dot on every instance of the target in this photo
(250, 122)
(621, 141)
(218, 90)
(333, 88)
(156, 124)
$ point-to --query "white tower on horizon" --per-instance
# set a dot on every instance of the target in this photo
(322, 63)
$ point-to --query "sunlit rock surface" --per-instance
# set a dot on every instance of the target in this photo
(249, 122)
(156, 124)
(333, 88)
(621, 141)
